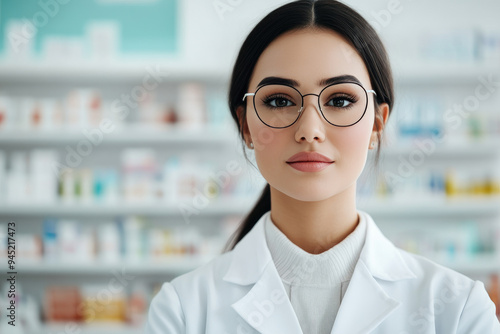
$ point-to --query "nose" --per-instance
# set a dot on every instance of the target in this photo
(311, 124)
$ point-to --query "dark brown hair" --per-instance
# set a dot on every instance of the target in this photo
(325, 14)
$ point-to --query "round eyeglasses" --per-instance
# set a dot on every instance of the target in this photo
(341, 104)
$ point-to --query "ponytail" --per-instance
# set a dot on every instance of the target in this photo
(263, 205)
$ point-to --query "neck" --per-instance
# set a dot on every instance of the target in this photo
(315, 226)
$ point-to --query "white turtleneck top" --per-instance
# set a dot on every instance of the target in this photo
(315, 283)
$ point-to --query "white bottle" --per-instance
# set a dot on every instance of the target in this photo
(43, 180)
(68, 239)
(109, 242)
(17, 181)
(3, 180)
(170, 180)
(133, 239)
(191, 105)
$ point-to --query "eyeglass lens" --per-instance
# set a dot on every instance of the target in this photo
(342, 104)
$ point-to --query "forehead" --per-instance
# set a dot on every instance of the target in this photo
(309, 56)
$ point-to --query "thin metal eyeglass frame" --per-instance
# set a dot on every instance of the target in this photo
(302, 103)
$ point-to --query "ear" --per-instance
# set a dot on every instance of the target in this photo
(240, 111)
(381, 115)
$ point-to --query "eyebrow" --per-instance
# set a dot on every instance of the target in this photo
(294, 83)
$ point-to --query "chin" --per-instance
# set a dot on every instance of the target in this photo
(309, 194)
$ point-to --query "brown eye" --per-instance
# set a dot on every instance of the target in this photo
(339, 103)
(278, 102)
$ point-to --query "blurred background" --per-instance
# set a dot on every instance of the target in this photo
(121, 168)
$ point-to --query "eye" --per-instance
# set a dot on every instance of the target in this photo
(281, 102)
(278, 102)
(339, 102)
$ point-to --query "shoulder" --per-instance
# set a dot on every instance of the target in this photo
(181, 300)
(391, 263)
(435, 275)
(448, 294)
(422, 264)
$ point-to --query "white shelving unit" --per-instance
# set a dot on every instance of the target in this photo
(182, 264)
(443, 79)
(63, 77)
(121, 136)
(484, 147)
(173, 265)
(102, 328)
(175, 71)
(202, 138)
(479, 264)
(216, 208)
(448, 73)
(443, 207)
(228, 206)
(207, 135)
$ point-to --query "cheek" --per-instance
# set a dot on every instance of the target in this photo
(264, 138)
(352, 142)
(269, 146)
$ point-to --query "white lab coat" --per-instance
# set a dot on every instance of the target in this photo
(391, 292)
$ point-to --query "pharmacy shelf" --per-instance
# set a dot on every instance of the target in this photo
(119, 72)
(218, 207)
(479, 264)
(221, 135)
(179, 265)
(125, 135)
(442, 73)
(182, 264)
(174, 265)
(449, 207)
(386, 207)
(175, 70)
(487, 147)
(98, 328)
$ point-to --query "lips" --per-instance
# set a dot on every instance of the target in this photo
(309, 157)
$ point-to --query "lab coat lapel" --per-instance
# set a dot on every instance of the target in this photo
(366, 304)
(266, 307)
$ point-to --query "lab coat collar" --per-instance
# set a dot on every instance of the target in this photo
(267, 309)
(250, 256)
(382, 259)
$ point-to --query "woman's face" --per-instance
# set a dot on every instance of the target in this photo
(309, 56)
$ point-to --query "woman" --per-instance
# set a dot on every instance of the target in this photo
(311, 92)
